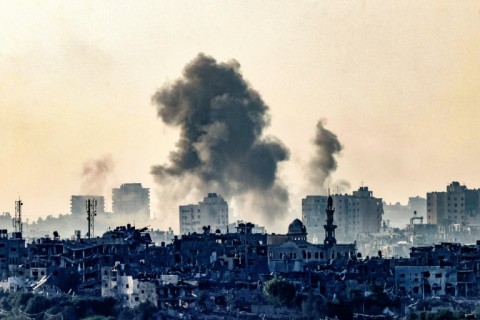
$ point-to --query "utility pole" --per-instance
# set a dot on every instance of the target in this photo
(91, 205)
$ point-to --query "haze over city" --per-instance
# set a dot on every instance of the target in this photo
(394, 85)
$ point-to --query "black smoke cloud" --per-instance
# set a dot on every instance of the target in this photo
(221, 146)
(323, 162)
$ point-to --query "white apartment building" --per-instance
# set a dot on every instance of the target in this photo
(129, 290)
(212, 211)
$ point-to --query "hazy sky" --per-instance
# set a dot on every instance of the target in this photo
(397, 81)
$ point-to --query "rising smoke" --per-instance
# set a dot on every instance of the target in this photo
(323, 162)
(95, 174)
(221, 146)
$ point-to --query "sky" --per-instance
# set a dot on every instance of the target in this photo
(395, 81)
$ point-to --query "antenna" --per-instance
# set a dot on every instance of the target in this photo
(17, 221)
(91, 205)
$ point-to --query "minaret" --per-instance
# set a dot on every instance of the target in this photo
(330, 240)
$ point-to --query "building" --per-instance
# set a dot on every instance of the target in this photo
(237, 255)
(313, 216)
(255, 228)
(78, 204)
(457, 205)
(119, 283)
(211, 212)
(417, 204)
(356, 213)
(396, 215)
(133, 200)
(12, 252)
(422, 281)
(369, 211)
(292, 252)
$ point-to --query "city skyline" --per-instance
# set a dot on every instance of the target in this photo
(396, 83)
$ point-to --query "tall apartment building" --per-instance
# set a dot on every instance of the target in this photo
(212, 211)
(457, 205)
(314, 217)
(78, 204)
(417, 204)
(356, 213)
(131, 199)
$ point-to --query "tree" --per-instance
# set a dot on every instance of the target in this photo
(145, 311)
(37, 304)
(279, 292)
(313, 307)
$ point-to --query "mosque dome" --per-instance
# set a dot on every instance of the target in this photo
(297, 227)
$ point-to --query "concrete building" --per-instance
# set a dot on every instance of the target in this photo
(313, 216)
(212, 211)
(129, 290)
(292, 252)
(255, 228)
(12, 252)
(356, 213)
(396, 214)
(78, 204)
(133, 200)
(369, 211)
(457, 205)
(424, 281)
(417, 204)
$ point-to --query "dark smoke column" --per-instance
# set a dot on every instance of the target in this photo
(323, 163)
(221, 147)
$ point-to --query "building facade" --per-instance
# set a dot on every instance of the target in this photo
(313, 216)
(292, 252)
(78, 204)
(356, 213)
(12, 252)
(457, 205)
(131, 199)
(211, 212)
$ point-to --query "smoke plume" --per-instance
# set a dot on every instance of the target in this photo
(95, 174)
(221, 147)
(323, 162)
